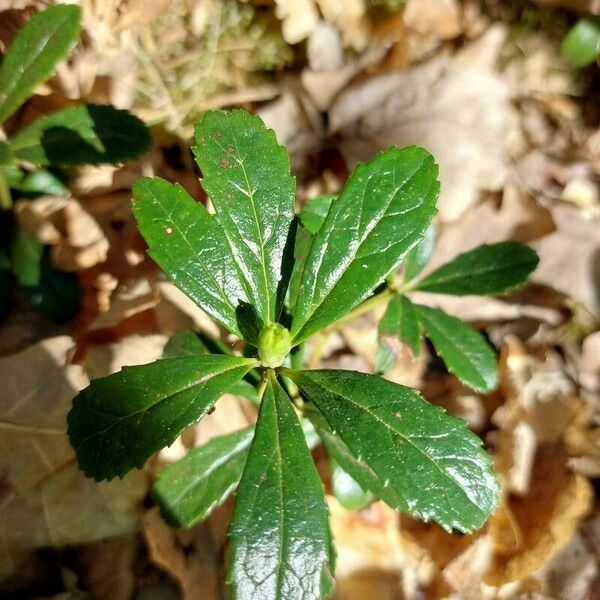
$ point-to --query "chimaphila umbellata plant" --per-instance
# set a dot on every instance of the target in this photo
(275, 284)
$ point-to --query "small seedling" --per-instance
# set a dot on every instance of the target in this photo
(274, 284)
(32, 161)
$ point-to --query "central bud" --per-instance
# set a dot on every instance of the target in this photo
(274, 344)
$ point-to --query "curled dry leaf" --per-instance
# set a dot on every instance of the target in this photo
(46, 500)
(424, 105)
(76, 239)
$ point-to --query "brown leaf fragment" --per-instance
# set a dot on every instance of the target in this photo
(424, 105)
(569, 256)
(44, 499)
(544, 519)
(188, 557)
(76, 239)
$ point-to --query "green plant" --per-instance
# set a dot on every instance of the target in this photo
(581, 45)
(274, 284)
(33, 160)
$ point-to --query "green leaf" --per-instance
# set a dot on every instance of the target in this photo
(34, 53)
(581, 46)
(26, 257)
(58, 294)
(347, 490)
(359, 470)
(486, 270)
(119, 421)
(185, 343)
(400, 320)
(190, 489)
(314, 211)
(42, 182)
(281, 548)
(190, 343)
(188, 244)
(385, 358)
(419, 256)
(424, 461)
(465, 351)
(381, 213)
(87, 134)
(247, 176)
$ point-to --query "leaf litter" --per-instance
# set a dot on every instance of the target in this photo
(516, 134)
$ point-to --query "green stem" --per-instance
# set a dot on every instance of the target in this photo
(367, 306)
(5, 197)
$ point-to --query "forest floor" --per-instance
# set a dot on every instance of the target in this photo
(515, 130)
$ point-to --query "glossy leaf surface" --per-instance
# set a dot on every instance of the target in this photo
(281, 547)
(247, 176)
(400, 320)
(119, 421)
(314, 211)
(381, 213)
(488, 269)
(188, 244)
(189, 343)
(419, 256)
(346, 489)
(26, 257)
(464, 350)
(86, 134)
(433, 466)
(190, 489)
(43, 42)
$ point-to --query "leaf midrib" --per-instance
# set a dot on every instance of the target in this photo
(144, 410)
(25, 65)
(399, 434)
(430, 279)
(315, 307)
(169, 219)
(250, 194)
(431, 324)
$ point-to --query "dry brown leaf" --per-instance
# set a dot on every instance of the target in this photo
(46, 500)
(298, 19)
(569, 256)
(545, 518)
(350, 18)
(193, 565)
(76, 239)
(37, 388)
(519, 217)
(103, 359)
(571, 574)
(438, 18)
(109, 568)
(425, 105)
(374, 559)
